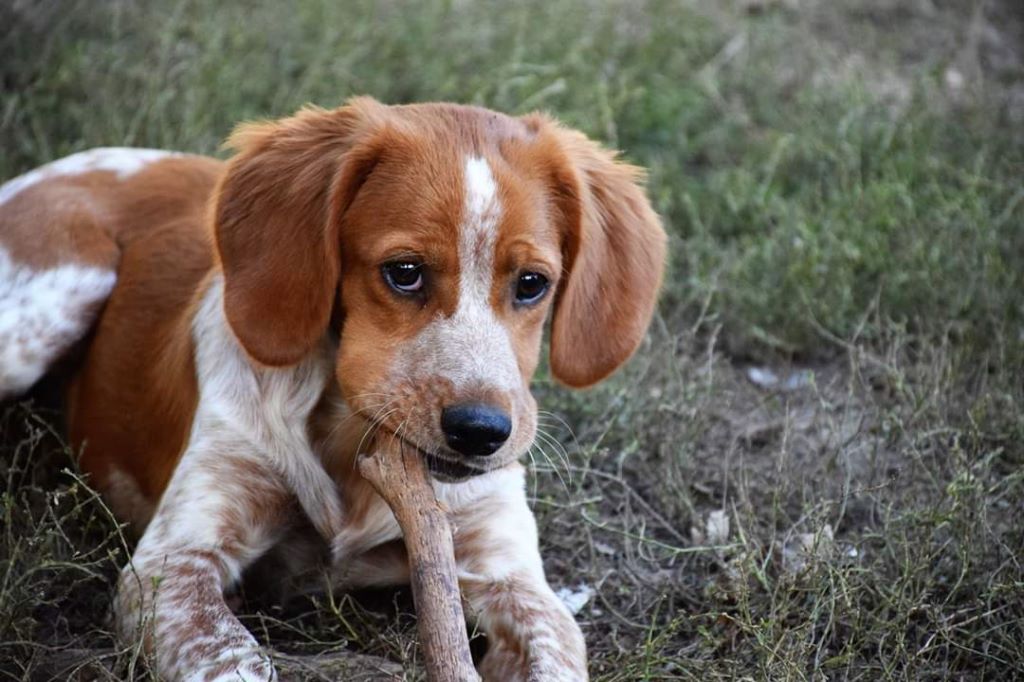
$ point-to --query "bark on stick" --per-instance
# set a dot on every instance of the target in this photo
(401, 478)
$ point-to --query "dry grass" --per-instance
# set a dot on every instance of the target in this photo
(841, 182)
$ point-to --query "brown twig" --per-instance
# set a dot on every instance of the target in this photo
(401, 478)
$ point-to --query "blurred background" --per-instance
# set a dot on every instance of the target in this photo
(814, 468)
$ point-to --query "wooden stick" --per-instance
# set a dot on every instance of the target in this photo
(401, 478)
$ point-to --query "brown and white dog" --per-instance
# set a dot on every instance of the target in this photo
(250, 327)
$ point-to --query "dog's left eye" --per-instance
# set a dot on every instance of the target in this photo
(531, 287)
(405, 277)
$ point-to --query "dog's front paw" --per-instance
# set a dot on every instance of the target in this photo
(240, 666)
(501, 665)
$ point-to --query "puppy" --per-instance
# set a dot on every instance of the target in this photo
(250, 327)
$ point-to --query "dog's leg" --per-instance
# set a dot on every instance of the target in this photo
(531, 634)
(222, 509)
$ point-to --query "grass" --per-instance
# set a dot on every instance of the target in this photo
(841, 183)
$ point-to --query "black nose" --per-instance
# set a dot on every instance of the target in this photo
(475, 428)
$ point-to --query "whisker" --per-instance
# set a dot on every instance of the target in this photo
(562, 423)
(376, 422)
(376, 415)
(401, 428)
(395, 436)
(355, 413)
(554, 468)
(559, 449)
(533, 467)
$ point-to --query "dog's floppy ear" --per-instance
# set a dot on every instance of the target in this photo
(614, 257)
(276, 218)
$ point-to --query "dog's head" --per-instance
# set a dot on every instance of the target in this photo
(436, 238)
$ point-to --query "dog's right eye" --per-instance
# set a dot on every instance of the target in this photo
(405, 277)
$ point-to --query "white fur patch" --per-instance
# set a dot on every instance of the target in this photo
(507, 484)
(124, 161)
(262, 410)
(43, 312)
(493, 506)
(481, 201)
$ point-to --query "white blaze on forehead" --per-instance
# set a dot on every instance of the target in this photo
(481, 346)
(472, 347)
(481, 194)
(124, 161)
(478, 231)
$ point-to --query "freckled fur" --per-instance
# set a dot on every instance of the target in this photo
(221, 415)
(42, 313)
